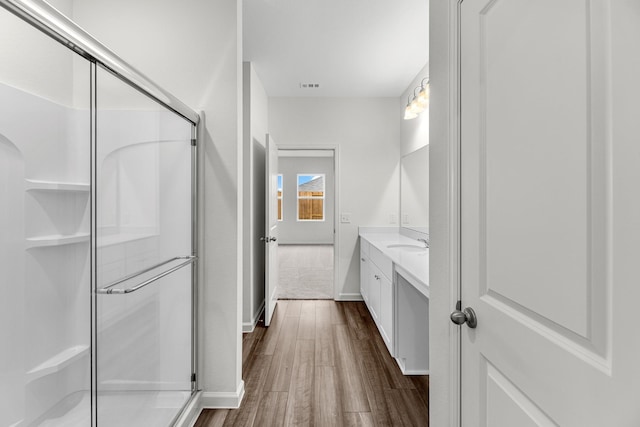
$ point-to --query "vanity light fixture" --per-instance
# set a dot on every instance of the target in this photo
(423, 95)
(419, 102)
(416, 106)
(408, 111)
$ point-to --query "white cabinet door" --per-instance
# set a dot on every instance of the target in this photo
(364, 277)
(374, 292)
(550, 235)
(386, 312)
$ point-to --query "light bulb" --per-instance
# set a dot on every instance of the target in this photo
(408, 114)
(416, 107)
(423, 96)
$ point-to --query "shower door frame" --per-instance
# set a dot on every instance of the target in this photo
(51, 22)
(96, 66)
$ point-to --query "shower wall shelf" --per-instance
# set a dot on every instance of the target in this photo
(32, 184)
(56, 240)
(58, 362)
(117, 239)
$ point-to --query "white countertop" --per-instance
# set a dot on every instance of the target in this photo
(413, 266)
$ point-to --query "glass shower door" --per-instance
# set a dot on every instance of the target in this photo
(143, 258)
(45, 315)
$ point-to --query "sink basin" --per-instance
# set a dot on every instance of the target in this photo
(410, 248)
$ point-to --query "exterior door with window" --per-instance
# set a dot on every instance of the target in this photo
(550, 212)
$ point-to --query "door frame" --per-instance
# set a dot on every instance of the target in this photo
(444, 204)
(456, 172)
(336, 224)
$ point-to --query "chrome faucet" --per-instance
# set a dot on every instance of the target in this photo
(425, 241)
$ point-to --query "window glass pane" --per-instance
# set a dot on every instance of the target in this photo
(311, 197)
(310, 185)
(311, 209)
(280, 197)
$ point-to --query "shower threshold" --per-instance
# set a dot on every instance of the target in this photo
(117, 409)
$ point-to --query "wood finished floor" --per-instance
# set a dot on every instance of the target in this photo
(322, 363)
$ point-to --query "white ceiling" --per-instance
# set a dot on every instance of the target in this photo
(352, 48)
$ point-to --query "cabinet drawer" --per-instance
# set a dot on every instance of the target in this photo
(379, 259)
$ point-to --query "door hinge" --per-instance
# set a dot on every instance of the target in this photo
(193, 142)
(193, 377)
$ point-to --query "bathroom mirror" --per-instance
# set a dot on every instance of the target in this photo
(414, 190)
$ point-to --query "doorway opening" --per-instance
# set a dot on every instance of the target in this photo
(307, 231)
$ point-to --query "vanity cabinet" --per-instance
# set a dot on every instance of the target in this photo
(375, 279)
(394, 283)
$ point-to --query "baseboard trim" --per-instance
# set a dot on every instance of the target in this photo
(222, 400)
(248, 327)
(209, 400)
(349, 297)
(405, 371)
(416, 372)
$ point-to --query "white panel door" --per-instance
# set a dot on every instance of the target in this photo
(271, 227)
(550, 212)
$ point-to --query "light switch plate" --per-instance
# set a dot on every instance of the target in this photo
(345, 217)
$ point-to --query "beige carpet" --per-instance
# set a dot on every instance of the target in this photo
(305, 271)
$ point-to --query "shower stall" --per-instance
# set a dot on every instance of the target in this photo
(97, 232)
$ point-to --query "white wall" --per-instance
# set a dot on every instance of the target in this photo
(44, 67)
(193, 49)
(414, 133)
(290, 230)
(255, 120)
(366, 132)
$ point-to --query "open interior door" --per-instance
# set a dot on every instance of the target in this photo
(550, 228)
(271, 228)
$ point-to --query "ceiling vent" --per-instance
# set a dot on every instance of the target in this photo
(309, 85)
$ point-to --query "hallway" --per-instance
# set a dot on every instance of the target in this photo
(322, 363)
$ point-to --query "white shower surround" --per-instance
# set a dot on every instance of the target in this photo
(44, 160)
(45, 250)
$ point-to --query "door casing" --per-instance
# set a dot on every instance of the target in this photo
(336, 224)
